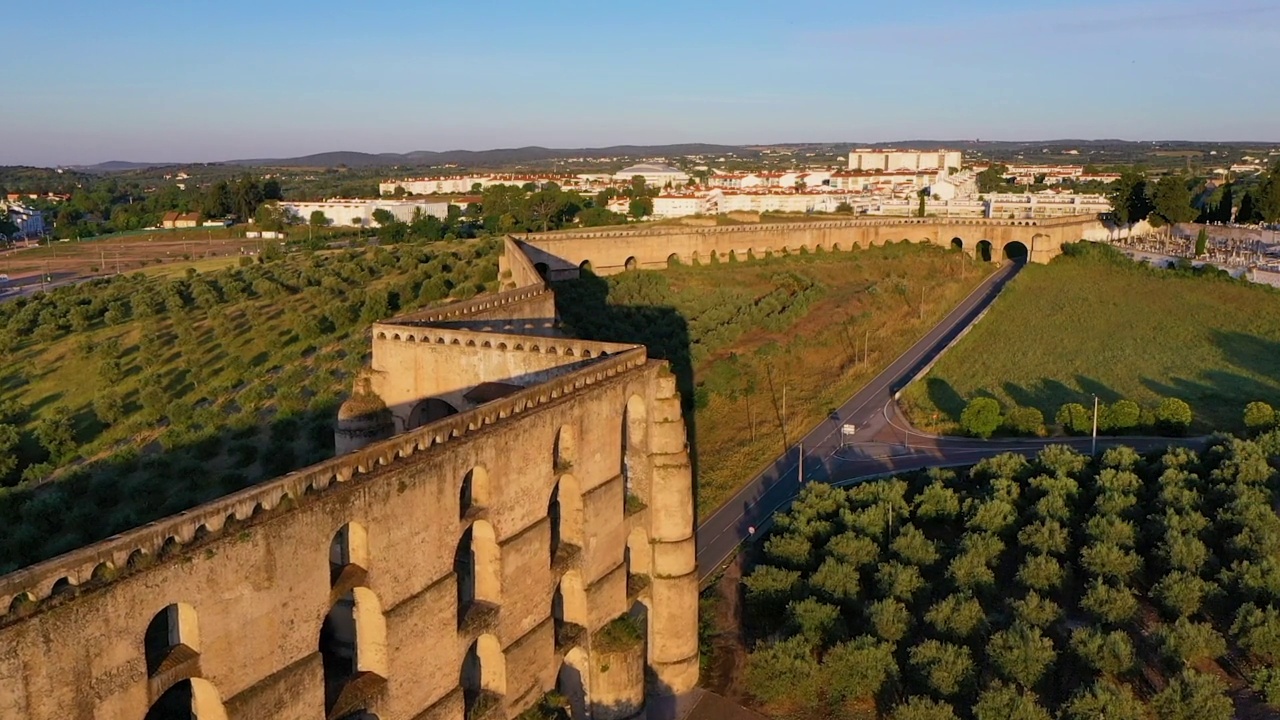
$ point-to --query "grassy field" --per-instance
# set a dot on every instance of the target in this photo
(112, 390)
(738, 333)
(1097, 323)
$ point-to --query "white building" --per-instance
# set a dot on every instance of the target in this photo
(885, 182)
(668, 206)
(30, 222)
(427, 186)
(654, 175)
(937, 160)
(348, 212)
(461, 184)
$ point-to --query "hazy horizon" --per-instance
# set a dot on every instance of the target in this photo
(161, 83)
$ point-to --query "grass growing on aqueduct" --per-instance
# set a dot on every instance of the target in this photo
(1096, 322)
(739, 331)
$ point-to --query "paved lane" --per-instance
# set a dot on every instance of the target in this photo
(884, 442)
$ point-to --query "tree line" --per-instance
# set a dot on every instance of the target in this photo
(1177, 198)
(984, 417)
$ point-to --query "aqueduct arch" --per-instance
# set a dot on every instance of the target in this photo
(634, 442)
(1016, 250)
(484, 675)
(428, 411)
(473, 493)
(192, 698)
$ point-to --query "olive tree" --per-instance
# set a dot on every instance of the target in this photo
(981, 417)
(1022, 653)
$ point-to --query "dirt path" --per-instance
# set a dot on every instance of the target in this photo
(728, 646)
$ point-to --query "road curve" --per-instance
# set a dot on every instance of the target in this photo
(884, 442)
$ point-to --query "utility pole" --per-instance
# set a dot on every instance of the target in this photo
(1094, 450)
(800, 473)
(866, 347)
(784, 414)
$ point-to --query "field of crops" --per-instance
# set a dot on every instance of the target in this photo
(142, 396)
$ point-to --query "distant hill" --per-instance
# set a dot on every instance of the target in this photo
(507, 157)
(482, 158)
(121, 166)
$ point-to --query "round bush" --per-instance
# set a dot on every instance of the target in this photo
(981, 417)
(1075, 419)
(1122, 416)
(1025, 421)
(1259, 416)
(1173, 416)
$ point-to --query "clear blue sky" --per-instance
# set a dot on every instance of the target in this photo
(192, 80)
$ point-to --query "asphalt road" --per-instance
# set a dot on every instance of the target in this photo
(884, 441)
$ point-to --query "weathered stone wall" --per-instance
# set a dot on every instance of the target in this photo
(410, 365)
(607, 252)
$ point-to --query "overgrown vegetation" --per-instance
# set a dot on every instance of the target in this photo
(743, 334)
(1093, 322)
(619, 634)
(127, 399)
(1069, 587)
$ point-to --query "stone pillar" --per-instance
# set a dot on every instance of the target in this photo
(617, 683)
(364, 418)
(673, 619)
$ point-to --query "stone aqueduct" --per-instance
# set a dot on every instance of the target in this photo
(507, 508)
(504, 502)
(561, 255)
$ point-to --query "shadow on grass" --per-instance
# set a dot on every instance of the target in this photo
(944, 397)
(583, 306)
(128, 488)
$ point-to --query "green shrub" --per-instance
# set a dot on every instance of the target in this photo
(1025, 421)
(1121, 416)
(981, 417)
(1173, 416)
(1075, 419)
(1259, 416)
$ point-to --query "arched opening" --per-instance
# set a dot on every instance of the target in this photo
(630, 264)
(566, 516)
(633, 448)
(63, 586)
(484, 677)
(349, 554)
(541, 268)
(573, 682)
(957, 244)
(428, 411)
(566, 450)
(584, 268)
(478, 567)
(569, 604)
(835, 247)
(984, 250)
(673, 260)
(353, 650)
(172, 639)
(694, 258)
(191, 699)
(1015, 251)
(473, 496)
